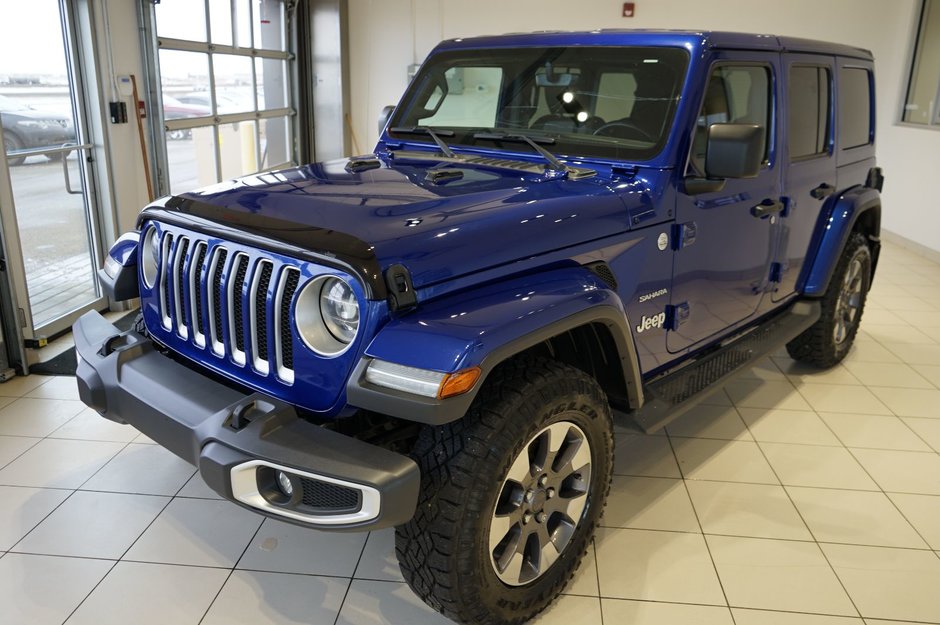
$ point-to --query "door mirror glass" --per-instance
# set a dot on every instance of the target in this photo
(734, 150)
(384, 116)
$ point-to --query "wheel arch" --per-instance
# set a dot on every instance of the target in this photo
(856, 210)
(566, 314)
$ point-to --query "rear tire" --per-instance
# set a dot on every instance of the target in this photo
(486, 474)
(828, 340)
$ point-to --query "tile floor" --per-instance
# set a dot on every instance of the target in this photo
(794, 497)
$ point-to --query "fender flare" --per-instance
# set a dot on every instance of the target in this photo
(835, 231)
(485, 326)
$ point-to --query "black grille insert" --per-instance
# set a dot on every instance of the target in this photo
(167, 260)
(241, 268)
(287, 341)
(327, 497)
(261, 309)
(218, 293)
(183, 246)
(196, 269)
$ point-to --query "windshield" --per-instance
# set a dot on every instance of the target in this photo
(607, 102)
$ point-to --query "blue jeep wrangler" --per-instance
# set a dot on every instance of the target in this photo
(555, 231)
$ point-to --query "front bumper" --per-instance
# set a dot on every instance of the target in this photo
(239, 442)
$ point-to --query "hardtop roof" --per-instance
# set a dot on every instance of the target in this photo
(642, 37)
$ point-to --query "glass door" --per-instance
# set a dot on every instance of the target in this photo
(47, 191)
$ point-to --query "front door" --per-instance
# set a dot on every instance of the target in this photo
(47, 199)
(724, 245)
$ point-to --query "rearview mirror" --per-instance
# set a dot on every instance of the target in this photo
(734, 151)
(384, 116)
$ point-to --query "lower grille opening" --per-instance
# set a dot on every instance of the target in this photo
(325, 497)
(305, 496)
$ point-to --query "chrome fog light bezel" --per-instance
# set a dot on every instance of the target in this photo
(245, 489)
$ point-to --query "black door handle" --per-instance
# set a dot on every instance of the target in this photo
(823, 191)
(766, 208)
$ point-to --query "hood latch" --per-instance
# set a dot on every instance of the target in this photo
(401, 292)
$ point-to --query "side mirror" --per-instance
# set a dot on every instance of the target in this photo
(734, 151)
(384, 116)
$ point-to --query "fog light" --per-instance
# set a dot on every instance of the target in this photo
(284, 483)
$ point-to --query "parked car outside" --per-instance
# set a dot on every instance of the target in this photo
(26, 128)
(173, 108)
(226, 103)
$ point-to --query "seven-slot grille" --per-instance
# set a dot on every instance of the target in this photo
(208, 294)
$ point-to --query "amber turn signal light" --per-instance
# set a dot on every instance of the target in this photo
(458, 383)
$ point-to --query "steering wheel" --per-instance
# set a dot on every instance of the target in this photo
(622, 123)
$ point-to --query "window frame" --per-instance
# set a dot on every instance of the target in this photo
(870, 75)
(418, 84)
(831, 113)
(153, 44)
(772, 84)
(933, 120)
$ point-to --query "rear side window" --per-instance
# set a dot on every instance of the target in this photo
(810, 102)
(854, 107)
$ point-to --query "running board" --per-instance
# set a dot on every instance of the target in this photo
(671, 395)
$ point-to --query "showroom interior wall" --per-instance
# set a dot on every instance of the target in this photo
(128, 183)
(386, 36)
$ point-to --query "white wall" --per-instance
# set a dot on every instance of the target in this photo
(128, 184)
(388, 35)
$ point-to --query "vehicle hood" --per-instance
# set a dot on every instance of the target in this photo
(490, 216)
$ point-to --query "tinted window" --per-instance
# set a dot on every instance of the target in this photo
(809, 111)
(735, 94)
(854, 107)
(616, 102)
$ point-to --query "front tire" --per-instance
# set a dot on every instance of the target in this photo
(12, 143)
(826, 342)
(511, 495)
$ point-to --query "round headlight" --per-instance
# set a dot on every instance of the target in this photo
(150, 257)
(340, 310)
(327, 315)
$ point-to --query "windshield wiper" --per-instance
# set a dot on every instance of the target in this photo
(434, 134)
(554, 163)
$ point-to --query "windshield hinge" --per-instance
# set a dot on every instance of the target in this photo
(624, 170)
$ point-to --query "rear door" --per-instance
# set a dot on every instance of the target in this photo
(809, 169)
(724, 248)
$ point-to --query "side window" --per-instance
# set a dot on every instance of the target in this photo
(735, 94)
(469, 101)
(854, 107)
(809, 111)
